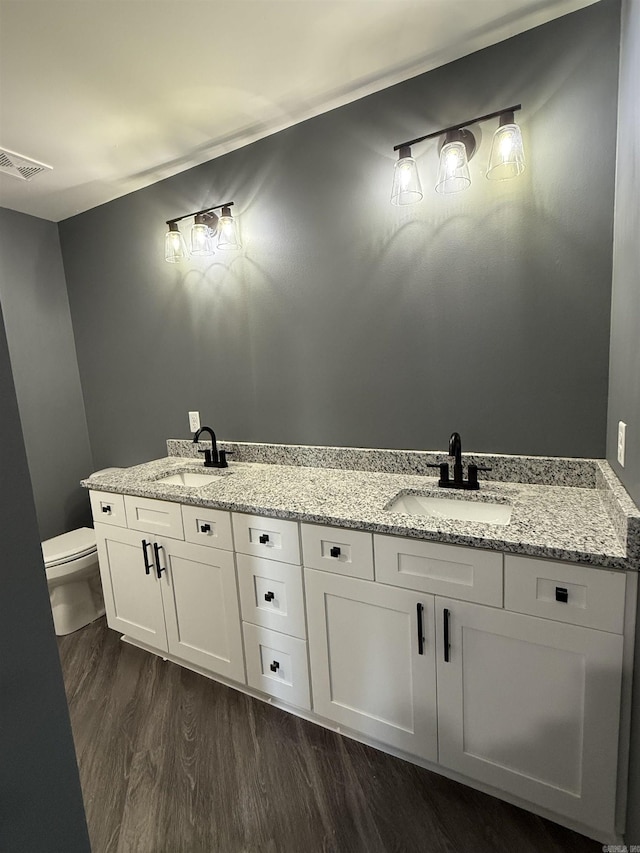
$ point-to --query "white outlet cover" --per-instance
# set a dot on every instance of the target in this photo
(194, 421)
(622, 435)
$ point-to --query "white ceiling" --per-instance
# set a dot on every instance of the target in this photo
(117, 94)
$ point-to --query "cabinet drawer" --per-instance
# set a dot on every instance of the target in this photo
(334, 549)
(272, 538)
(565, 592)
(469, 574)
(108, 508)
(210, 527)
(161, 518)
(271, 594)
(277, 665)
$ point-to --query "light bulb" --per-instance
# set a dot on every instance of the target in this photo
(507, 153)
(201, 235)
(227, 233)
(406, 188)
(175, 248)
(453, 172)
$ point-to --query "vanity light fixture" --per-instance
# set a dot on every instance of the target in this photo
(206, 225)
(457, 147)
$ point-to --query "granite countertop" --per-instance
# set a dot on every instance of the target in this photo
(555, 521)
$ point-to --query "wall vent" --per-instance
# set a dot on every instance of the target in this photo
(19, 166)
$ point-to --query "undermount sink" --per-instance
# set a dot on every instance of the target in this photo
(187, 478)
(456, 509)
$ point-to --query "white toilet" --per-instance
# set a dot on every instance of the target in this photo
(73, 577)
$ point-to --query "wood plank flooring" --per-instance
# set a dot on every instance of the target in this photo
(171, 762)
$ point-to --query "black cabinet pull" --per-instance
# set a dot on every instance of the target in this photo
(447, 645)
(420, 609)
(335, 551)
(106, 508)
(562, 594)
(264, 538)
(275, 666)
(269, 596)
(159, 567)
(205, 528)
(147, 566)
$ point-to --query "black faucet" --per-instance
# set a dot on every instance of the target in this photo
(212, 458)
(455, 450)
(458, 481)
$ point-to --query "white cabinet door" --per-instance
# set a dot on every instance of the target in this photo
(201, 607)
(132, 592)
(369, 670)
(531, 707)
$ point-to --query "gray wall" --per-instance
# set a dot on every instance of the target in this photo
(34, 301)
(347, 321)
(40, 799)
(624, 370)
(624, 374)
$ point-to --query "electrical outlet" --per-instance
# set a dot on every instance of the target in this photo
(622, 433)
(194, 421)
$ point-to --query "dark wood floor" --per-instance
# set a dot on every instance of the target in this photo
(172, 762)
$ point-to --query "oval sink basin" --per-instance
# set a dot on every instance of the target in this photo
(188, 478)
(457, 510)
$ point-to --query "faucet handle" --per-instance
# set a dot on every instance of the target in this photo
(444, 471)
(207, 455)
(472, 474)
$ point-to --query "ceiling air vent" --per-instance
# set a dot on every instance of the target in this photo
(19, 166)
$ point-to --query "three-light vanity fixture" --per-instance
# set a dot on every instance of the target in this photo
(457, 147)
(206, 225)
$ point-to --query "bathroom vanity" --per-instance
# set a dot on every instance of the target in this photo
(498, 653)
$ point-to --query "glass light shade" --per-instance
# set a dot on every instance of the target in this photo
(201, 239)
(406, 187)
(507, 154)
(227, 232)
(453, 172)
(175, 248)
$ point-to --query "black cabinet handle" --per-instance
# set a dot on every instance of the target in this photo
(335, 551)
(147, 566)
(269, 596)
(264, 538)
(447, 644)
(420, 609)
(205, 528)
(106, 508)
(159, 567)
(562, 594)
(275, 666)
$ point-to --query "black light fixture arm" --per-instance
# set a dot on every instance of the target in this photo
(462, 124)
(199, 212)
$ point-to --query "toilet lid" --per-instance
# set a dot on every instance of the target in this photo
(69, 546)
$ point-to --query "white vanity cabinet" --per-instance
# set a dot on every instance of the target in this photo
(531, 707)
(272, 603)
(503, 671)
(520, 704)
(372, 653)
(131, 589)
(172, 595)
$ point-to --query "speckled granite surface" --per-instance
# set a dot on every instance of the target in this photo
(540, 470)
(596, 524)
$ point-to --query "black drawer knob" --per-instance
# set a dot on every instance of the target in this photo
(275, 666)
(264, 538)
(269, 596)
(205, 528)
(106, 508)
(335, 551)
(562, 594)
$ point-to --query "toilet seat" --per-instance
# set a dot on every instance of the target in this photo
(69, 546)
